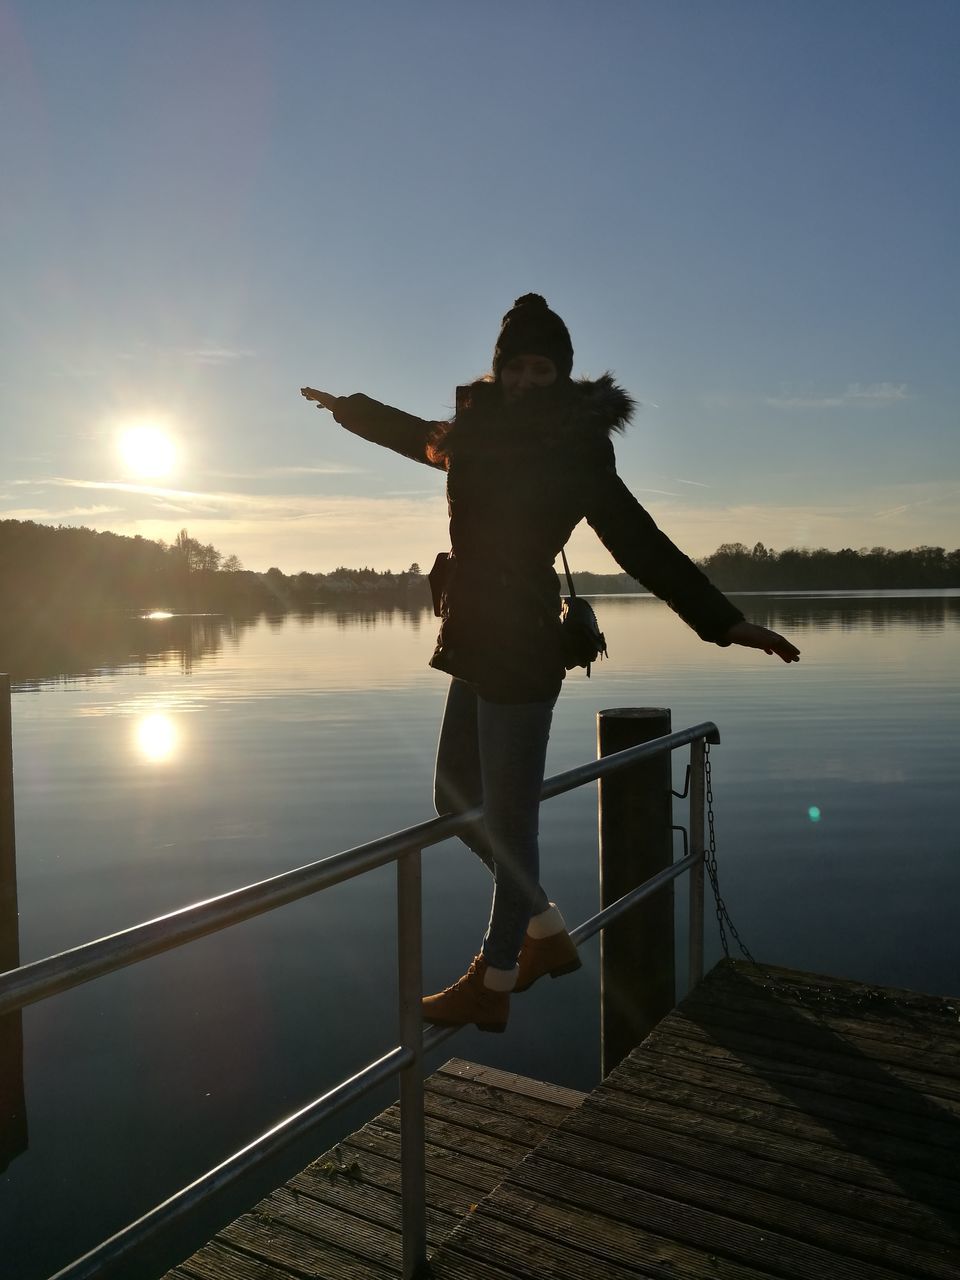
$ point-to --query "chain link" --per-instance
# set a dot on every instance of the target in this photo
(710, 862)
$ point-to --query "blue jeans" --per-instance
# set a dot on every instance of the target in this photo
(494, 754)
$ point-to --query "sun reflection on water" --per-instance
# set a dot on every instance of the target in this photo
(156, 738)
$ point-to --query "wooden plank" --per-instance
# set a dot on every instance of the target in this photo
(476, 1176)
(938, 1032)
(767, 1144)
(544, 1238)
(528, 1247)
(921, 1021)
(872, 1205)
(634, 1080)
(499, 1101)
(480, 1121)
(218, 1261)
(899, 1089)
(510, 1082)
(525, 1133)
(310, 1202)
(926, 1121)
(860, 1056)
(464, 1266)
(827, 989)
(769, 1208)
(383, 1176)
(443, 1132)
(300, 1253)
(713, 1231)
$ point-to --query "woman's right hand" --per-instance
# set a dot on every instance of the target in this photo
(324, 399)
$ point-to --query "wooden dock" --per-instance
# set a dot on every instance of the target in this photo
(776, 1124)
(480, 1123)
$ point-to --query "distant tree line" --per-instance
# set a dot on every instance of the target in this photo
(50, 571)
(47, 571)
(736, 567)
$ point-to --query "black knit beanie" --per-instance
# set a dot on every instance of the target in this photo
(530, 328)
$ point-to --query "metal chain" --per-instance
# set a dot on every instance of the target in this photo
(710, 862)
(842, 999)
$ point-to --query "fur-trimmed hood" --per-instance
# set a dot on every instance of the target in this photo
(604, 403)
(570, 413)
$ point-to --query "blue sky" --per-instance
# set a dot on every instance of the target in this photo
(747, 209)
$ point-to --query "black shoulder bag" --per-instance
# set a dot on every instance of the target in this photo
(583, 641)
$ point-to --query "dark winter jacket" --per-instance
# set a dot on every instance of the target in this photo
(519, 479)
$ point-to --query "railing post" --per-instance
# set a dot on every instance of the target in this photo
(13, 1112)
(637, 982)
(410, 983)
(697, 752)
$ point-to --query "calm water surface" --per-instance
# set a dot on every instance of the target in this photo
(165, 760)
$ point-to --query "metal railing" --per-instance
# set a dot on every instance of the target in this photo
(42, 978)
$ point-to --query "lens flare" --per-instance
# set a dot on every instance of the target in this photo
(813, 813)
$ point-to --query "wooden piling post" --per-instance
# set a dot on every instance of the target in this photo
(637, 978)
(9, 933)
(13, 1114)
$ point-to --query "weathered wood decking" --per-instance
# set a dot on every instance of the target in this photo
(785, 1126)
(480, 1123)
(777, 1124)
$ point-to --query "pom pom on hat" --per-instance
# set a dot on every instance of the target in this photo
(531, 328)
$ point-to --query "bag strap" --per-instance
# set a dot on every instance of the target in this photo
(566, 570)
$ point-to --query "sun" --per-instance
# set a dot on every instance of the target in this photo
(147, 450)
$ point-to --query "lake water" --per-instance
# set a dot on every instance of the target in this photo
(159, 761)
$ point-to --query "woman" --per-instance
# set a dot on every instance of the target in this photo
(527, 456)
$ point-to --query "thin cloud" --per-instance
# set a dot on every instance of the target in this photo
(698, 483)
(67, 513)
(906, 506)
(857, 396)
(271, 473)
(252, 506)
(217, 355)
(206, 353)
(175, 510)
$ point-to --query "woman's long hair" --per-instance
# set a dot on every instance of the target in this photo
(441, 439)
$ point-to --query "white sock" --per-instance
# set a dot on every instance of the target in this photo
(500, 979)
(547, 923)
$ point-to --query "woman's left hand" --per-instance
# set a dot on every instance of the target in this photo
(754, 637)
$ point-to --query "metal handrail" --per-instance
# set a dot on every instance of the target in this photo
(50, 976)
(58, 973)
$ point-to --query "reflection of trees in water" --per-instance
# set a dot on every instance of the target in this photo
(63, 649)
(89, 645)
(83, 647)
(850, 613)
(368, 616)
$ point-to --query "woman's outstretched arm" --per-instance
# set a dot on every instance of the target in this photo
(634, 540)
(378, 423)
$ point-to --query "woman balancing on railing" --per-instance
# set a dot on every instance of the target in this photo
(527, 456)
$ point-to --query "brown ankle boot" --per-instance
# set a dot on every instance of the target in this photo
(468, 1000)
(555, 955)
